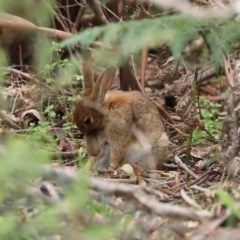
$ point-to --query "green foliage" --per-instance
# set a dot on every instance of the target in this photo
(53, 68)
(50, 111)
(212, 122)
(19, 165)
(133, 36)
(227, 200)
(55, 64)
(37, 12)
(24, 218)
(176, 30)
(40, 135)
(68, 126)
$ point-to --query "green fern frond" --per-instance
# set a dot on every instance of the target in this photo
(176, 30)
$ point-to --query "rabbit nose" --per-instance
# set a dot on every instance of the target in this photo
(87, 121)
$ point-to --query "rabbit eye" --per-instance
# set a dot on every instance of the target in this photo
(87, 120)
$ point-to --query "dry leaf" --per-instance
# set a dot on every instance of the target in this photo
(31, 115)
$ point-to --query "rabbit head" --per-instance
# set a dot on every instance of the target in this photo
(89, 113)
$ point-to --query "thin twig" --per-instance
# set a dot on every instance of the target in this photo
(98, 11)
(203, 232)
(28, 77)
(184, 166)
(144, 57)
(202, 178)
(8, 121)
(163, 112)
(64, 155)
(79, 17)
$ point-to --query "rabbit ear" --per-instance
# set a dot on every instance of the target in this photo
(87, 72)
(103, 84)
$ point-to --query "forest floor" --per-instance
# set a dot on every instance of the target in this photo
(190, 197)
(179, 201)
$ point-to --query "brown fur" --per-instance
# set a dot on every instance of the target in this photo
(128, 121)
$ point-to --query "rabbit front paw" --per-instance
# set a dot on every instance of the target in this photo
(103, 159)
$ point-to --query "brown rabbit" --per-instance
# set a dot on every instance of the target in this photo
(128, 121)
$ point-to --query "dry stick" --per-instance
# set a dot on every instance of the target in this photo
(65, 21)
(184, 166)
(144, 57)
(163, 112)
(64, 155)
(132, 181)
(25, 108)
(230, 78)
(150, 204)
(20, 73)
(28, 77)
(68, 15)
(8, 121)
(130, 191)
(171, 193)
(203, 232)
(202, 178)
(199, 180)
(127, 77)
(60, 20)
(14, 103)
(228, 71)
(189, 200)
(79, 16)
(61, 35)
(205, 74)
(120, 9)
(9, 21)
(233, 147)
(98, 11)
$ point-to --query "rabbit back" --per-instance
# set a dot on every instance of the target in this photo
(134, 124)
(134, 108)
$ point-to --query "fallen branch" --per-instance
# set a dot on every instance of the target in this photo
(8, 121)
(150, 204)
(29, 77)
(134, 192)
(64, 155)
(17, 28)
